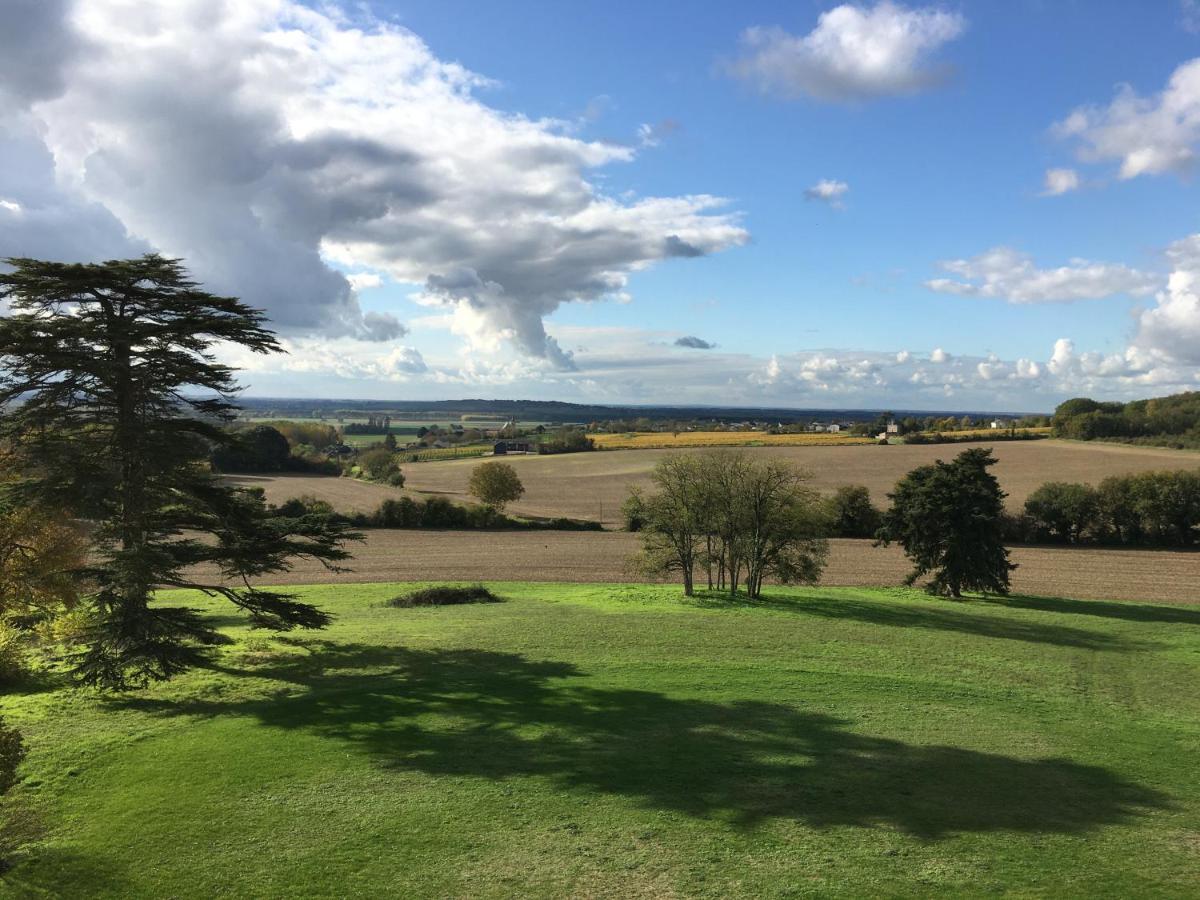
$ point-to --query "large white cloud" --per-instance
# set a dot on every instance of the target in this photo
(1008, 274)
(853, 53)
(1171, 328)
(262, 139)
(1146, 135)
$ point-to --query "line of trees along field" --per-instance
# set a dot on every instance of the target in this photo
(1172, 421)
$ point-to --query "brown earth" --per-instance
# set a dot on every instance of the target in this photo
(346, 495)
(1078, 573)
(594, 485)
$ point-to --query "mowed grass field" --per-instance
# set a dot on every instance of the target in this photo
(616, 741)
(594, 485)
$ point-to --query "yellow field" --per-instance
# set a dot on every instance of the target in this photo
(656, 440)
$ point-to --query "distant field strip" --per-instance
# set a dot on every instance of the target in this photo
(1079, 573)
(594, 485)
(659, 440)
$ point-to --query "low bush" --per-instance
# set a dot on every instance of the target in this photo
(445, 595)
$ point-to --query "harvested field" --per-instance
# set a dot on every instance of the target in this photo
(1077, 573)
(344, 494)
(593, 485)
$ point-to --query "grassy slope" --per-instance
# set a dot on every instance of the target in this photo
(614, 740)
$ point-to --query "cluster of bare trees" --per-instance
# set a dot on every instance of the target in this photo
(730, 519)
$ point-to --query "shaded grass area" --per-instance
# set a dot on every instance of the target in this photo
(616, 740)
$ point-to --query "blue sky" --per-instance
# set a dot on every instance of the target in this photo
(528, 134)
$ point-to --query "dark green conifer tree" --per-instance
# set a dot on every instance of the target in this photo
(948, 517)
(111, 402)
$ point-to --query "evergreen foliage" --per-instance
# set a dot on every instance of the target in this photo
(948, 517)
(112, 401)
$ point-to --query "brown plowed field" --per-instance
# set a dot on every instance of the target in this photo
(593, 485)
(1087, 574)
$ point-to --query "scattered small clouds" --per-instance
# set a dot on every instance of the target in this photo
(11, 206)
(1060, 181)
(853, 53)
(828, 191)
(1010, 275)
(1146, 135)
(939, 356)
(694, 343)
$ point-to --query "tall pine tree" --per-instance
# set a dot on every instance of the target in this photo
(111, 402)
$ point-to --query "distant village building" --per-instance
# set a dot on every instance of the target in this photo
(999, 423)
(503, 448)
(892, 428)
(833, 428)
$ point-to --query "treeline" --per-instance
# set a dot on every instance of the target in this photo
(993, 435)
(431, 512)
(278, 447)
(1162, 421)
(1152, 509)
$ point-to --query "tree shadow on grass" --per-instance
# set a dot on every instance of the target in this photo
(935, 616)
(1128, 612)
(498, 715)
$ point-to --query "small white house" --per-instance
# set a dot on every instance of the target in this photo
(833, 428)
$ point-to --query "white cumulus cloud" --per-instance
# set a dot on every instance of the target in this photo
(263, 140)
(854, 53)
(1171, 328)
(1007, 274)
(1146, 135)
(1060, 181)
(828, 191)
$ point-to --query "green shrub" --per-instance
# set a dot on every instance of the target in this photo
(445, 596)
(852, 514)
(381, 464)
(1062, 512)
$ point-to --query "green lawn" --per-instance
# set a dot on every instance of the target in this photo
(613, 740)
